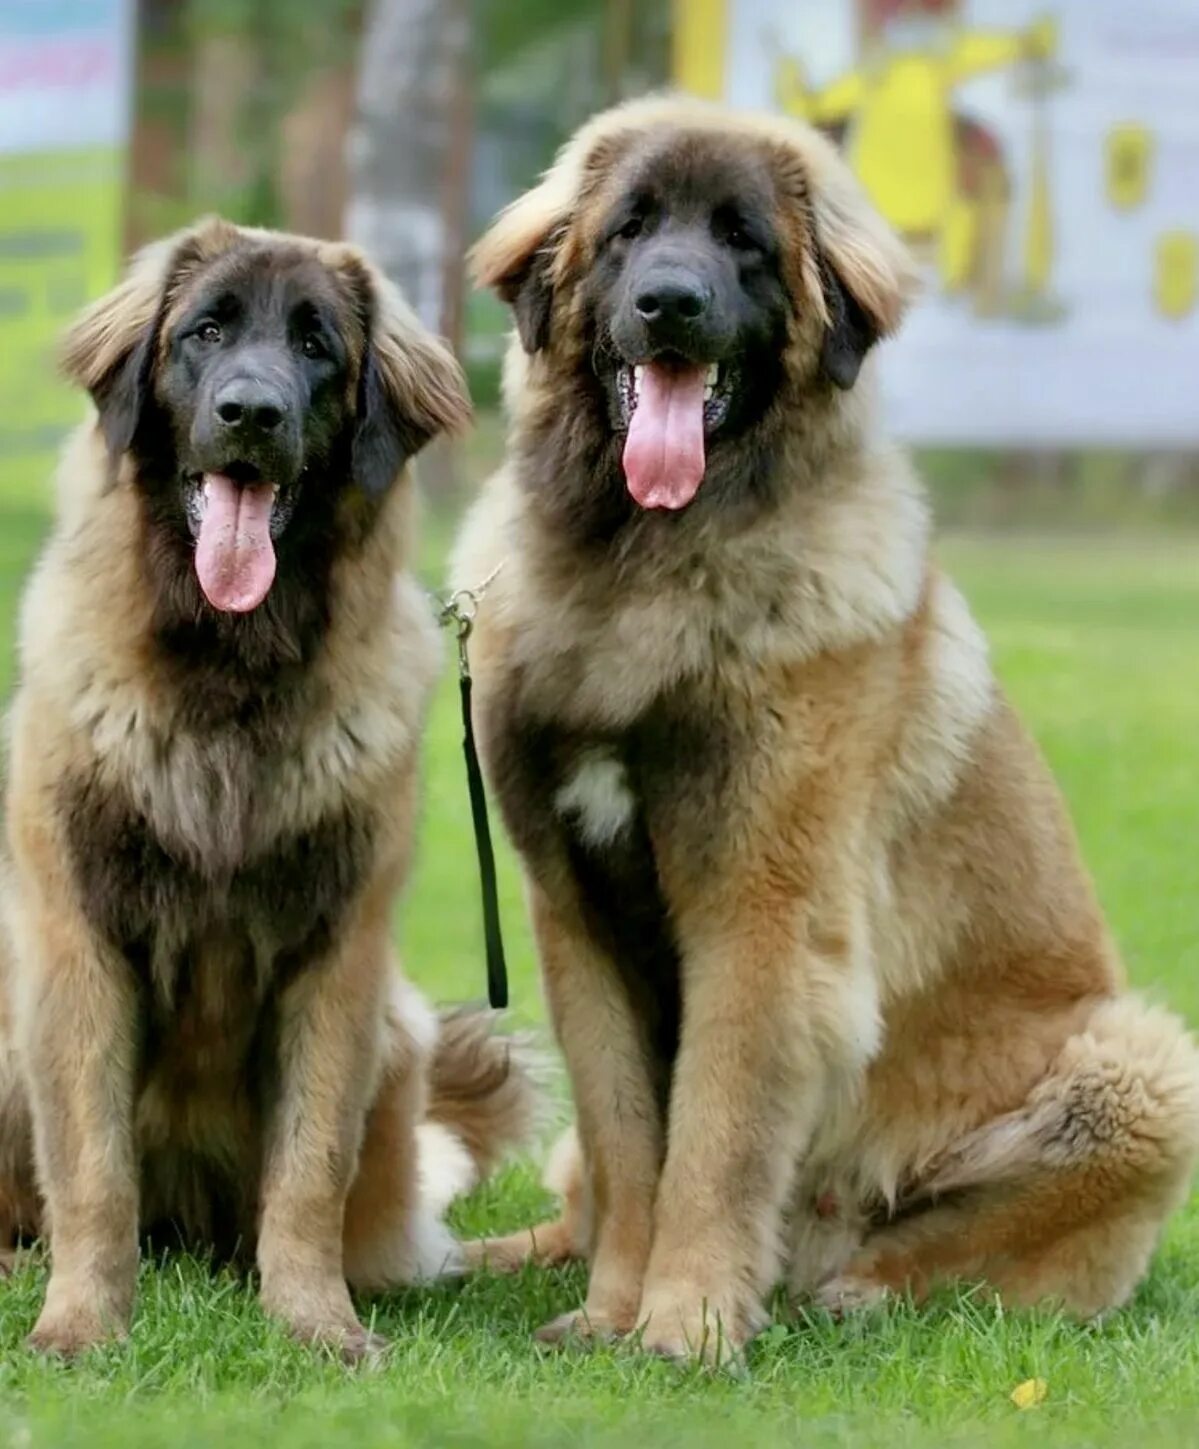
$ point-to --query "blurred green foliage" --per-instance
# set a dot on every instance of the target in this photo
(503, 29)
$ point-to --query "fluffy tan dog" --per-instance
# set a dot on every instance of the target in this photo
(836, 998)
(224, 672)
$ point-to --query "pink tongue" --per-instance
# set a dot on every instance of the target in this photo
(235, 558)
(664, 452)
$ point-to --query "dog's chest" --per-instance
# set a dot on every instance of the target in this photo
(213, 846)
(604, 792)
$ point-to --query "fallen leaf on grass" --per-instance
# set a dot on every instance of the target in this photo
(1029, 1394)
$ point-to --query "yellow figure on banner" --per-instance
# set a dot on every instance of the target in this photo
(1129, 161)
(1176, 273)
(939, 177)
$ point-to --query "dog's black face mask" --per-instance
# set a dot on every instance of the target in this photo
(690, 312)
(248, 408)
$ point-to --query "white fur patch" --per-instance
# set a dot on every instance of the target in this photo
(444, 1166)
(598, 799)
(436, 1253)
(412, 1010)
(444, 1169)
(863, 1024)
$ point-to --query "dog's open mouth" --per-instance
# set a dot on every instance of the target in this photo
(236, 515)
(670, 406)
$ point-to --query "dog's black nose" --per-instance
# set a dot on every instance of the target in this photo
(249, 405)
(673, 296)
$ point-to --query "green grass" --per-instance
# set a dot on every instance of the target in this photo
(1098, 641)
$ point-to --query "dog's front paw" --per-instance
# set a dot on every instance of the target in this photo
(68, 1329)
(80, 1312)
(345, 1339)
(357, 1347)
(321, 1316)
(691, 1327)
(584, 1327)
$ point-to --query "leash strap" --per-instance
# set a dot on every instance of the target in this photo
(497, 967)
(461, 612)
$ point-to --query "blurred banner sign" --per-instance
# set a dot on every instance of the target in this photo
(1042, 160)
(65, 92)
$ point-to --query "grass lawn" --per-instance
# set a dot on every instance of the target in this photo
(1098, 640)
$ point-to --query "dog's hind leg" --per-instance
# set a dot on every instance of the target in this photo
(454, 1098)
(1063, 1200)
(560, 1240)
(20, 1210)
(393, 1228)
(383, 1244)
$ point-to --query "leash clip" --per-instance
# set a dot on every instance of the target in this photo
(460, 610)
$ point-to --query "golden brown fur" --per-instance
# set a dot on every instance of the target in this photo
(199, 1078)
(906, 1052)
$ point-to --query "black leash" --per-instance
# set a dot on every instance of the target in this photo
(460, 611)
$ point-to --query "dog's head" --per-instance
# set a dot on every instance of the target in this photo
(264, 387)
(704, 270)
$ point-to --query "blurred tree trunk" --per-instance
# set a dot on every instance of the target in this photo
(313, 181)
(618, 47)
(407, 158)
(414, 55)
(161, 112)
(226, 74)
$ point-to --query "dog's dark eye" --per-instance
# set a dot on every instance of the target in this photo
(631, 228)
(312, 346)
(728, 228)
(735, 235)
(208, 331)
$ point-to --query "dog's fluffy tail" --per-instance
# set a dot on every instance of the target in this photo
(1121, 1102)
(485, 1100)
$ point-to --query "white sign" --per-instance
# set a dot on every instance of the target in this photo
(1043, 162)
(64, 73)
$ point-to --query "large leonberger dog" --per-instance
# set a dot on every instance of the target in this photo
(835, 995)
(224, 671)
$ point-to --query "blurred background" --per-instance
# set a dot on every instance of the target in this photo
(1042, 159)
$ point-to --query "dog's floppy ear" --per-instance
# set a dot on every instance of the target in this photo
(868, 277)
(410, 387)
(531, 247)
(516, 257)
(111, 348)
(531, 297)
(849, 334)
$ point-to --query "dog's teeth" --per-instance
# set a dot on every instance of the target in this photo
(713, 376)
(637, 372)
(708, 391)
